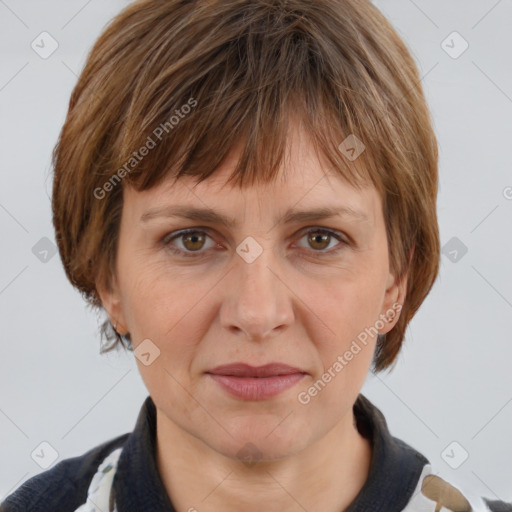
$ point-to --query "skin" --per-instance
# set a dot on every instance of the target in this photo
(290, 305)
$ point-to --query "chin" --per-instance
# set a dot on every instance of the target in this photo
(250, 452)
(265, 440)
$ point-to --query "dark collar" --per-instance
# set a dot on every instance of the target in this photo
(394, 471)
(395, 466)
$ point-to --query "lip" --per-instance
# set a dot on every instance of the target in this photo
(256, 382)
(246, 370)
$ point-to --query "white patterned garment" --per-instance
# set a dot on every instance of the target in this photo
(423, 500)
(98, 494)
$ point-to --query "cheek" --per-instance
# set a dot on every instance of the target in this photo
(347, 303)
(152, 294)
(346, 309)
(170, 308)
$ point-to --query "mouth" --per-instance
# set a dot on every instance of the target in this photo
(248, 382)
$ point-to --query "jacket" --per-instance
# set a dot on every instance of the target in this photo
(121, 475)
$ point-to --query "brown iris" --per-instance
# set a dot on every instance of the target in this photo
(194, 237)
(315, 237)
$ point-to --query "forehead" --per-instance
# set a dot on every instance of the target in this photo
(304, 180)
(289, 202)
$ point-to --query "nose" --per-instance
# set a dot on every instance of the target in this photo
(258, 302)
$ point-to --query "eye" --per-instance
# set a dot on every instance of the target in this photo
(319, 239)
(193, 240)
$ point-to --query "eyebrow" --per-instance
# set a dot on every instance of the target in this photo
(292, 215)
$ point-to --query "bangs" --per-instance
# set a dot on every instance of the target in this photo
(253, 87)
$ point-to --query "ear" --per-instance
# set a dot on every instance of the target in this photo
(396, 291)
(110, 297)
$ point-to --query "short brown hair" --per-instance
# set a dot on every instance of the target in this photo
(244, 67)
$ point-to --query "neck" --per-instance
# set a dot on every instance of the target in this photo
(326, 476)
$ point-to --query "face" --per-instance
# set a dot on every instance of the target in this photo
(302, 292)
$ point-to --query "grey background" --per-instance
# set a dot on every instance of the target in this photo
(452, 381)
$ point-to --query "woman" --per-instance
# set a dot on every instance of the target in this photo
(248, 189)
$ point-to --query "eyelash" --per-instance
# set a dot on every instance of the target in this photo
(195, 254)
